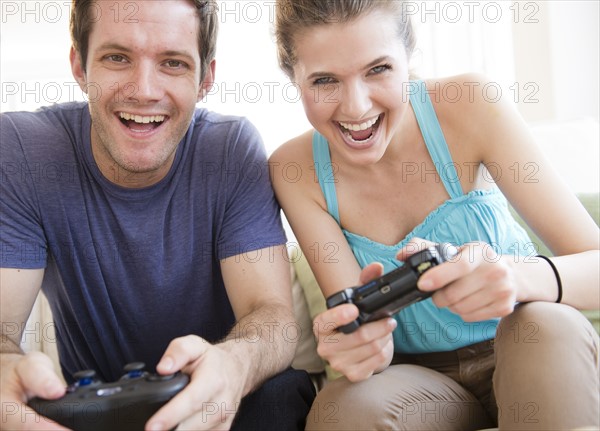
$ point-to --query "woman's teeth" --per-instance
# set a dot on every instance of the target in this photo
(358, 127)
(359, 132)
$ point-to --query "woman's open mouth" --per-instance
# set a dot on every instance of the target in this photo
(360, 133)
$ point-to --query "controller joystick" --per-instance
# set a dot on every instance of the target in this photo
(134, 370)
(84, 378)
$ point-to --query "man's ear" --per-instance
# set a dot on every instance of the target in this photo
(208, 81)
(77, 69)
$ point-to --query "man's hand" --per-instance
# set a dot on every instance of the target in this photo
(362, 353)
(213, 396)
(23, 377)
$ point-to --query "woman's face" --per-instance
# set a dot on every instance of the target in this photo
(353, 78)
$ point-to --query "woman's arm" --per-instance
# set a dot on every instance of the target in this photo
(320, 237)
(369, 349)
(495, 134)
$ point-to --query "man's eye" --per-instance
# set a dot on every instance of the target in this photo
(175, 64)
(115, 58)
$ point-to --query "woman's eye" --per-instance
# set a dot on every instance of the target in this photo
(380, 69)
(324, 81)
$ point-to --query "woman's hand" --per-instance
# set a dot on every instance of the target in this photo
(477, 284)
(362, 353)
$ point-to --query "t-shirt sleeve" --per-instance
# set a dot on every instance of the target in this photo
(22, 239)
(252, 219)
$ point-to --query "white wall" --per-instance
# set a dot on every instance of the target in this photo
(557, 53)
(553, 74)
(34, 65)
(573, 34)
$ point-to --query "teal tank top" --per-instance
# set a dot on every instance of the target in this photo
(481, 215)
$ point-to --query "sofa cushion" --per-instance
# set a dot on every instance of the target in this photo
(315, 300)
(306, 357)
(590, 202)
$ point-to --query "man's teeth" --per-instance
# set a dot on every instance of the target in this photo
(142, 119)
(361, 126)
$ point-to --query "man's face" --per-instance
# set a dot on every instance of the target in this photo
(143, 82)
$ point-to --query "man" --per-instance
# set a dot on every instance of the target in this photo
(161, 242)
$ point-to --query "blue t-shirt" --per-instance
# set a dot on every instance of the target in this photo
(481, 215)
(128, 270)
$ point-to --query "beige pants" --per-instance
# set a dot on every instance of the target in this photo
(541, 372)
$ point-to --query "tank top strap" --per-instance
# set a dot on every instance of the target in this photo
(434, 138)
(324, 172)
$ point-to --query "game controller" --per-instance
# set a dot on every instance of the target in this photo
(390, 293)
(127, 404)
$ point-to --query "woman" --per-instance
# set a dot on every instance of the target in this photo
(392, 167)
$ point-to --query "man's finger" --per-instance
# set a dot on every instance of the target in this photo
(181, 352)
(37, 374)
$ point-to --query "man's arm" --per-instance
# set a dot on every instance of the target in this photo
(258, 286)
(18, 290)
(22, 376)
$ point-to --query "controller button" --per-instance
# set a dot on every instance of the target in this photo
(160, 378)
(86, 394)
(107, 392)
(134, 369)
(85, 377)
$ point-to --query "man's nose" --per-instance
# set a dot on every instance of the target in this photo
(145, 85)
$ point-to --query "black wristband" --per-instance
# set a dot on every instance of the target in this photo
(558, 281)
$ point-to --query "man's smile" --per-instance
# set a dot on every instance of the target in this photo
(141, 123)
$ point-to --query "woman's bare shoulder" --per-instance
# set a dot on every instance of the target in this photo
(296, 150)
(291, 164)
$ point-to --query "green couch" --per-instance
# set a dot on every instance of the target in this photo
(591, 203)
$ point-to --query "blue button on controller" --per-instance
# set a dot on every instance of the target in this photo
(85, 377)
(134, 370)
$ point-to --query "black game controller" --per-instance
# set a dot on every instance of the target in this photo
(386, 295)
(127, 404)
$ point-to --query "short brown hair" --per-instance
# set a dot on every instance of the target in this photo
(293, 16)
(82, 19)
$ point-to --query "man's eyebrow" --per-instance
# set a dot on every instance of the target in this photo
(174, 53)
(368, 66)
(110, 46)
